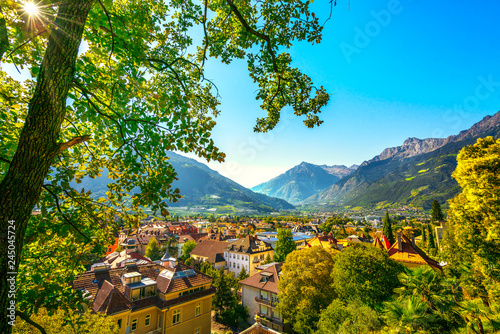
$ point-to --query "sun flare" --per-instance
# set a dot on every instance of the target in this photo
(31, 8)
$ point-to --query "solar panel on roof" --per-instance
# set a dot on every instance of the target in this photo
(180, 274)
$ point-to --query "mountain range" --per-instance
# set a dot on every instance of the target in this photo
(415, 173)
(303, 181)
(202, 186)
(203, 189)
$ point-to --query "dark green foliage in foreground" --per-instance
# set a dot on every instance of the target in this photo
(342, 318)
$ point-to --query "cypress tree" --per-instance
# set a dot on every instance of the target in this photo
(387, 228)
(436, 214)
(431, 246)
(423, 236)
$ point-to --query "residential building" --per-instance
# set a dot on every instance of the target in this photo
(381, 242)
(324, 240)
(183, 238)
(118, 259)
(259, 293)
(258, 328)
(247, 252)
(151, 299)
(407, 252)
(210, 251)
(439, 232)
(138, 243)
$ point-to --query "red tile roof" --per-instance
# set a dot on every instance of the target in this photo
(410, 253)
(172, 284)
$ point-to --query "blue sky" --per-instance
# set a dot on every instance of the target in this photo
(395, 69)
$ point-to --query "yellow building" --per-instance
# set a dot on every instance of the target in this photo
(151, 299)
(325, 241)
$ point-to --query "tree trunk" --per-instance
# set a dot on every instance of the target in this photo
(38, 142)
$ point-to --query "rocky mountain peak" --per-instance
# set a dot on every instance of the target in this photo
(414, 146)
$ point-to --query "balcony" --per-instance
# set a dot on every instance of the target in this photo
(268, 318)
(264, 301)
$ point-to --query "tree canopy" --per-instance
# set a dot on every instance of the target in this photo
(474, 214)
(187, 247)
(285, 245)
(153, 250)
(365, 273)
(305, 287)
(113, 105)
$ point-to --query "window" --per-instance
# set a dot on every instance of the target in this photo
(234, 264)
(198, 309)
(197, 331)
(238, 256)
(238, 266)
(119, 323)
(176, 316)
(147, 321)
(134, 325)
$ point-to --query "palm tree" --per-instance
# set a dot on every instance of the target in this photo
(441, 295)
(410, 315)
(478, 317)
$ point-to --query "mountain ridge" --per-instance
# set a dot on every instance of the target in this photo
(405, 175)
(302, 181)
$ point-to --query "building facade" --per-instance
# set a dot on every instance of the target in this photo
(259, 293)
(151, 299)
(248, 253)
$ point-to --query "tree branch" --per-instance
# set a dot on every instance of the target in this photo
(29, 40)
(7, 161)
(62, 214)
(73, 142)
(206, 35)
(255, 33)
(111, 28)
(29, 321)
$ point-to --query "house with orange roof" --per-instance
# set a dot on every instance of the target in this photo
(407, 252)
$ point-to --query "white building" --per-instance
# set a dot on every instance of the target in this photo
(248, 253)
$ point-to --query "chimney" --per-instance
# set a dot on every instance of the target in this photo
(412, 239)
(400, 245)
(172, 261)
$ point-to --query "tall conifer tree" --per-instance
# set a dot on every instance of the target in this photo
(436, 214)
(387, 228)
